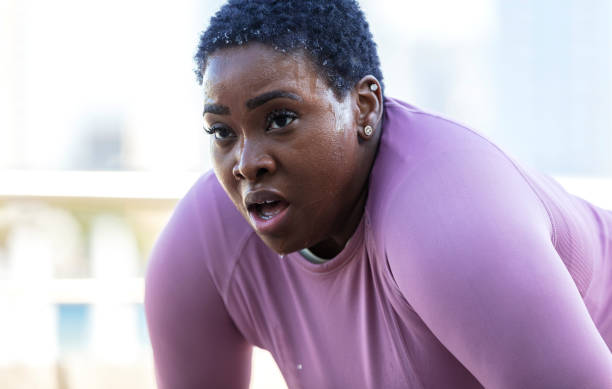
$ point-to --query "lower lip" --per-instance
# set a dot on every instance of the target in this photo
(268, 226)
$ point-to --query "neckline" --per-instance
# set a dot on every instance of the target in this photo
(355, 242)
(312, 257)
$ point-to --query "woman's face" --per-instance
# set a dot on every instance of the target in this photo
(284, 147)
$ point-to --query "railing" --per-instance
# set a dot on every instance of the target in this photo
(108, 297)
(146, 190)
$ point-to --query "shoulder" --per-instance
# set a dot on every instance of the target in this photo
(462, 200)
(222, 226)
(204, 233)
(432, 172)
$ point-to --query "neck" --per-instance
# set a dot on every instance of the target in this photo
(332, 246)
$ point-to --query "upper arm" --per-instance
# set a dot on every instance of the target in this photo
(469, 247)
(195, 343)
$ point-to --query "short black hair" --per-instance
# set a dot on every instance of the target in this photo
(333, 33)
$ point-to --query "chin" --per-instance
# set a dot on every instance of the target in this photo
(280, 245)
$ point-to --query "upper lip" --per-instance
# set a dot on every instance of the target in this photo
(260, 196)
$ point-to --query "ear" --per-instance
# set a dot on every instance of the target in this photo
(369, 101)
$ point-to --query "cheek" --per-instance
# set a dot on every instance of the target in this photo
(222, 166)
(323, 161)
(341, 142)
(221, 157)
(219, 164)
(337, 149)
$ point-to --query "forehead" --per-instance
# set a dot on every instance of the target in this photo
(256, 68)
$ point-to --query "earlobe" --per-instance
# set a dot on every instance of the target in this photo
(366, 132)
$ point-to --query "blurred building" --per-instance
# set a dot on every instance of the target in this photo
(553, 84)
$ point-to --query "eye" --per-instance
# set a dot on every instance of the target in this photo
(220, 132)
(280, 119)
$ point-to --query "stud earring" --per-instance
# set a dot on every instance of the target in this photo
(373, 87)
(368, 130)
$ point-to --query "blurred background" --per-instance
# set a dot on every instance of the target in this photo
(100, 135)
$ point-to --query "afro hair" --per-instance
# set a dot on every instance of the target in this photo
(333, 33)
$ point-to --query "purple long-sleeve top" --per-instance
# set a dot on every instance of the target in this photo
(466, 270)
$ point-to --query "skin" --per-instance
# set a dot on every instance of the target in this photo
(307, 143)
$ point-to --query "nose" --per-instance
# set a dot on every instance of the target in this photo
(253, 162)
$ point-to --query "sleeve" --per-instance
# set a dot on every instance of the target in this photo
(469, 246)
(195, 342)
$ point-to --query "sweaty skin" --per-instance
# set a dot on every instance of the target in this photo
(465, 270)
(302, 145)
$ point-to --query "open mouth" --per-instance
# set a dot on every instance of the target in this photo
(266, 210)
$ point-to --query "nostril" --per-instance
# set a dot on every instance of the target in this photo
(261, 171)
(237, 172)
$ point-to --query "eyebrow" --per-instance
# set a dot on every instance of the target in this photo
(275, 94)
(216, 109)
(253, 103)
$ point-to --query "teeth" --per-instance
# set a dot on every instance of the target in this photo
(268, 209)
(266, 202)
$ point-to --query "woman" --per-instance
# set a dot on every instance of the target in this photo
(363, 242)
